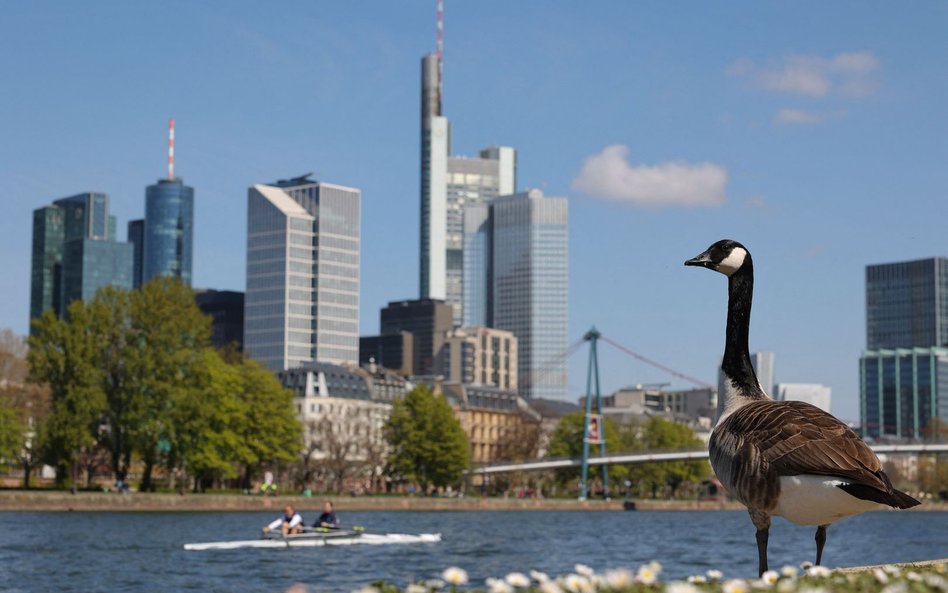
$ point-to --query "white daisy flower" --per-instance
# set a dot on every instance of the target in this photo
(787, 586)
(454, 576)
(714, 575)
(655, 566)
(646, 575)
(498, 586)
(880, 575)
(735, 586)
(415, 588)
(619, 578)
(806, 564)
(435, 584)
(584, 570)
(540, 577)
(549, 586)
(818, 571)
(517, 580)
(789, 571)
(697, 579)
(770, 577)
(901, 587)
(890, 569)
(913, 576)
(576, 583)
(366, 589)
(680, 587)
(935, 581)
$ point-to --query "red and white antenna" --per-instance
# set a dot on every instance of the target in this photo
(440, 49)
(171, 148)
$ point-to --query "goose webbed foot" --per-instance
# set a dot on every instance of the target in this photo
(820, 540)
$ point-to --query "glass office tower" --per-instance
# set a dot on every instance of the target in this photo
(169, 230)
(75, 253)
(907, 304)
(302, 298)
(530, 261)
(136, 236)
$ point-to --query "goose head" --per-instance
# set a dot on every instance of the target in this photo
(725, 256)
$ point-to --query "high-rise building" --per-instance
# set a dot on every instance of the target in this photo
(448, 186)
(428, 320)
(530, 286)
(136, 236)
(907, 304)
(75, 253)
(902, 390)
(480, 356)
(811, 393)
(168, 230)
(904, 369)
(471, 182)
(226, 310)
(302, 299)
(435, 147)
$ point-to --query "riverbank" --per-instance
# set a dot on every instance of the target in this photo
(21, 500)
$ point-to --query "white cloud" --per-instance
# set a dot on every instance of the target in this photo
(850, 74)
(610, 175)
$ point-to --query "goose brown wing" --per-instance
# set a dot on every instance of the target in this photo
(796, 438)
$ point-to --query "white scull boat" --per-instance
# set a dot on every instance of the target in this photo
(318, 539)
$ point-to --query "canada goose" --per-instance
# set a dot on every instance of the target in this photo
(783, 458)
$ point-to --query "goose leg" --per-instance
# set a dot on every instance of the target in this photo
(820, 540)
(762, 523)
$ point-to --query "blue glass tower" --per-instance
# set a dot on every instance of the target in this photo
(169, 230)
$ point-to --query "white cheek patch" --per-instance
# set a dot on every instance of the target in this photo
(732, 262)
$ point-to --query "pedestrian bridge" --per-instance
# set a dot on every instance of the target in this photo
(635, 458)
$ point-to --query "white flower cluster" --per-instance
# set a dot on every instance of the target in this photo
(789, 579)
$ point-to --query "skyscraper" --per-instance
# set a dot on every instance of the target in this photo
(435, 146)
(904, 369)
(302, 298)
(530, 279)
(75, 253)
(169, 230)
(472, 181)
(907, 304)
(811, 393)
(448, 186)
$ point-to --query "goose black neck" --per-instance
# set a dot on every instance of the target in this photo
(737, 362)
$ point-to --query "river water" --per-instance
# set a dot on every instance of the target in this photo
(143, 552)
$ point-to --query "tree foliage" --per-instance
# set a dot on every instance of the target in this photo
(132, 374)
(567, 442)
(427, 443)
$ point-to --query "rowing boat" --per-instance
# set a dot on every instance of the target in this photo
(314, 539)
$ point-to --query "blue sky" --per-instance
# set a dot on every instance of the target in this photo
(815, 133)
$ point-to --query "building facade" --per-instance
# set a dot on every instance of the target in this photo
(226, 310)
(471, 182)
(136, 236)
(902, 390)
(75, 253)
(907, 304)
(168, 232)
(427, 320)
(302, 298)
(393, 351)
(479, 356)
(811, 393)
(530, 280)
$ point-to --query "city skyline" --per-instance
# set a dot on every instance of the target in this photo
(814, 135)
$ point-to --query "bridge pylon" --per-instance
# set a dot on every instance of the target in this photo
(594, 427)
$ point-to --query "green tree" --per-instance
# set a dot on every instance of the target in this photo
(428, 445)
(268, 425)
(12, 430)
(169, 334)
(659, 434)
(62, 355)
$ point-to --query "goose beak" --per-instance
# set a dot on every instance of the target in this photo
(703, 260)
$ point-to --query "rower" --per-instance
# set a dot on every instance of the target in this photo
(328, 520)
(290, 522)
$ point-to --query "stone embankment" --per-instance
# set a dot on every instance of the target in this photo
(20, 500)
(40, 500)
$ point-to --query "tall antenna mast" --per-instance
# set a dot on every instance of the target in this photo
(440, 50)
(171, 148)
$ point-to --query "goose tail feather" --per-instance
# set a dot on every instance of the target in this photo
(895, 498)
